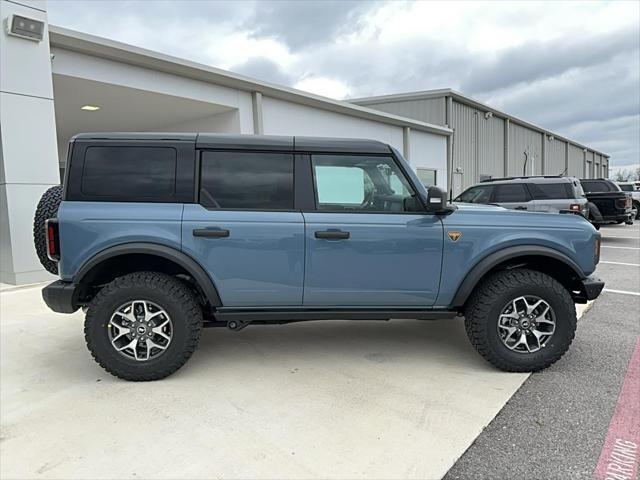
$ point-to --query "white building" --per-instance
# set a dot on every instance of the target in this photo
(45, 83)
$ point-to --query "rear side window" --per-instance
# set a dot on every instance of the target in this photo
(247, 180)
(626, 188)
(596, 186)
(551, 191)
(476, 195)
(511, 193)
(126, 172)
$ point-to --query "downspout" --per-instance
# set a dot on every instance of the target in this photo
(448, 115)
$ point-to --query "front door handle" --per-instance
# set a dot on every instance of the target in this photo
(332, 234)
(521, 208)
(210, 232)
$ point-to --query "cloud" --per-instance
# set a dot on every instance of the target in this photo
(573, 68)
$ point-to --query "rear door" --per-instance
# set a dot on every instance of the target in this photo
(514, 196)
(363, 247)
(244, 230)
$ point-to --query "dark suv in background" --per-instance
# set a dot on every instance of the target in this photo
(551, 194)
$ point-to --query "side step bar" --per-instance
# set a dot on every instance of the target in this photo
(247, 315)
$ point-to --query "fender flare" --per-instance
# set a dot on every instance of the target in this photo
(198, 273)
(487, 263)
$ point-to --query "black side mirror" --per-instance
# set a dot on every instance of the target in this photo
(412, 204)
(437, 201)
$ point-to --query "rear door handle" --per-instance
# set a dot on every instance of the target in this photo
(332, 234)
(210, 232)
(521, 208)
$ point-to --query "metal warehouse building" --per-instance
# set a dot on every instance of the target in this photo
(487, 143)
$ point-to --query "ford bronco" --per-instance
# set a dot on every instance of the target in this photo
(157, 235)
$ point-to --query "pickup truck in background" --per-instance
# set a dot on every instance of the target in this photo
(633, 189)
(608, 204)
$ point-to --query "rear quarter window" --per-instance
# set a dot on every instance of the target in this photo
(551, 191)
(121, 172)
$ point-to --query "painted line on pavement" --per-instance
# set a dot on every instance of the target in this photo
(621, 450)
(604, 237)
(620, 263)
(624, 248)
(624, 292)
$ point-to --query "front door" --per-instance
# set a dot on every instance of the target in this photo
(363, 248)
(244, 230)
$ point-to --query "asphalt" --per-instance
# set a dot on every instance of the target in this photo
(555, 425)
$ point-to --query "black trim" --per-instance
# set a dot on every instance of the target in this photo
(189, 264)
(591, 288)
(365, 313)
(210, 232)
(61, 297)
(303, 184)
(486, 264)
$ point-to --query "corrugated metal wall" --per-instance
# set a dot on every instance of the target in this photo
(555, 157)
(605, 167)
(464, 121)
(479, 143)
(430, 110)
(491, 151)
(576, 162)
(523, 140)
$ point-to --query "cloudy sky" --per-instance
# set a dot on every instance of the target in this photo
(572, 67)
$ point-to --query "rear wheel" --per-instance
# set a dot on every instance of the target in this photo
(143, 326)
(521, 320)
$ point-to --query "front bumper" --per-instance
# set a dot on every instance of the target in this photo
(61, 297)
(591, 289)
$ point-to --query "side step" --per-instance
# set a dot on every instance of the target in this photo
(248, 315)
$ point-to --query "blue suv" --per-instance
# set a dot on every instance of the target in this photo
(157, 235)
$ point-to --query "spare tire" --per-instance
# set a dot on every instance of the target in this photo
(47, 208)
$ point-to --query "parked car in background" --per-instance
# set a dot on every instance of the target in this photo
(552, 194)
(633, 189)
(608, 204)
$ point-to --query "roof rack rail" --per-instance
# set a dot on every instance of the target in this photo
(523, 177)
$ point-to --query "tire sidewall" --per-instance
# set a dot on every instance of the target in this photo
(555, 346)
(97, 322)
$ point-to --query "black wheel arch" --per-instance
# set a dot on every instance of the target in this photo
(166, 255)
(536, 257)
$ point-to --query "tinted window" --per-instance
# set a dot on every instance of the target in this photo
(551, 191)
(129, 172)
(511, 193)
(247, 180)
(626, 188)
(345, 183)
(595, 186)
(476, 195)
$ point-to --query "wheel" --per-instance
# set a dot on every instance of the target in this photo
(47, 208)
(521, 320)
(143, 326)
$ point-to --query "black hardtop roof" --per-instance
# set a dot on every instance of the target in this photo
(250, 142)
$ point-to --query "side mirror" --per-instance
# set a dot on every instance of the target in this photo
(412, 204)
(437, 201)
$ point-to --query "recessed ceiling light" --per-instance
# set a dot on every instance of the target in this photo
(90, 108)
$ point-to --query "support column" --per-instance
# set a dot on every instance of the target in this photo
(256, 100)
(566, 158)
(406, 143)
(506, 147)
(543, 166)
(28, 146)
(448, 115)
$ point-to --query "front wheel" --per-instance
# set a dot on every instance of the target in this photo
(143, 326)
(521, 320)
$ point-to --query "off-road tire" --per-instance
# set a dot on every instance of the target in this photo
(173, 296)
(47, 208)
(486, 303)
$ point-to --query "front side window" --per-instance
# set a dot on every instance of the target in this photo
(246, 180)
(129, 172)
(511, 193)
(480, 194)
(359, 183)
